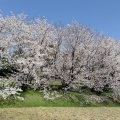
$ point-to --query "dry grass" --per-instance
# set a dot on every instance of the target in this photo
(60, 113)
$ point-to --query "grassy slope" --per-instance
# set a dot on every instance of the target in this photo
(70, 99)
(35, 99)
(60, 113)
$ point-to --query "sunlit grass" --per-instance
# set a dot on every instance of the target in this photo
(35, 99)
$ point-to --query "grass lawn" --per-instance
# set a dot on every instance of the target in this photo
(35, 99)
(71, 99)
(60, 113)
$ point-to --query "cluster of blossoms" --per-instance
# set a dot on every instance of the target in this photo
(51, 95)
(7, 90)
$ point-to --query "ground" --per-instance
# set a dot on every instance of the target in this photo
(60, 113)
(71, 106)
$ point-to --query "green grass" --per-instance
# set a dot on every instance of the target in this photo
(59, 83)
(35, 99)
(70, 99)
(55, 83)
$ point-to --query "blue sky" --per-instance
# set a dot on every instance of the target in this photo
(102, 15)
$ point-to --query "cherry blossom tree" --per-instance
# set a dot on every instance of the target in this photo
(32, 53)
